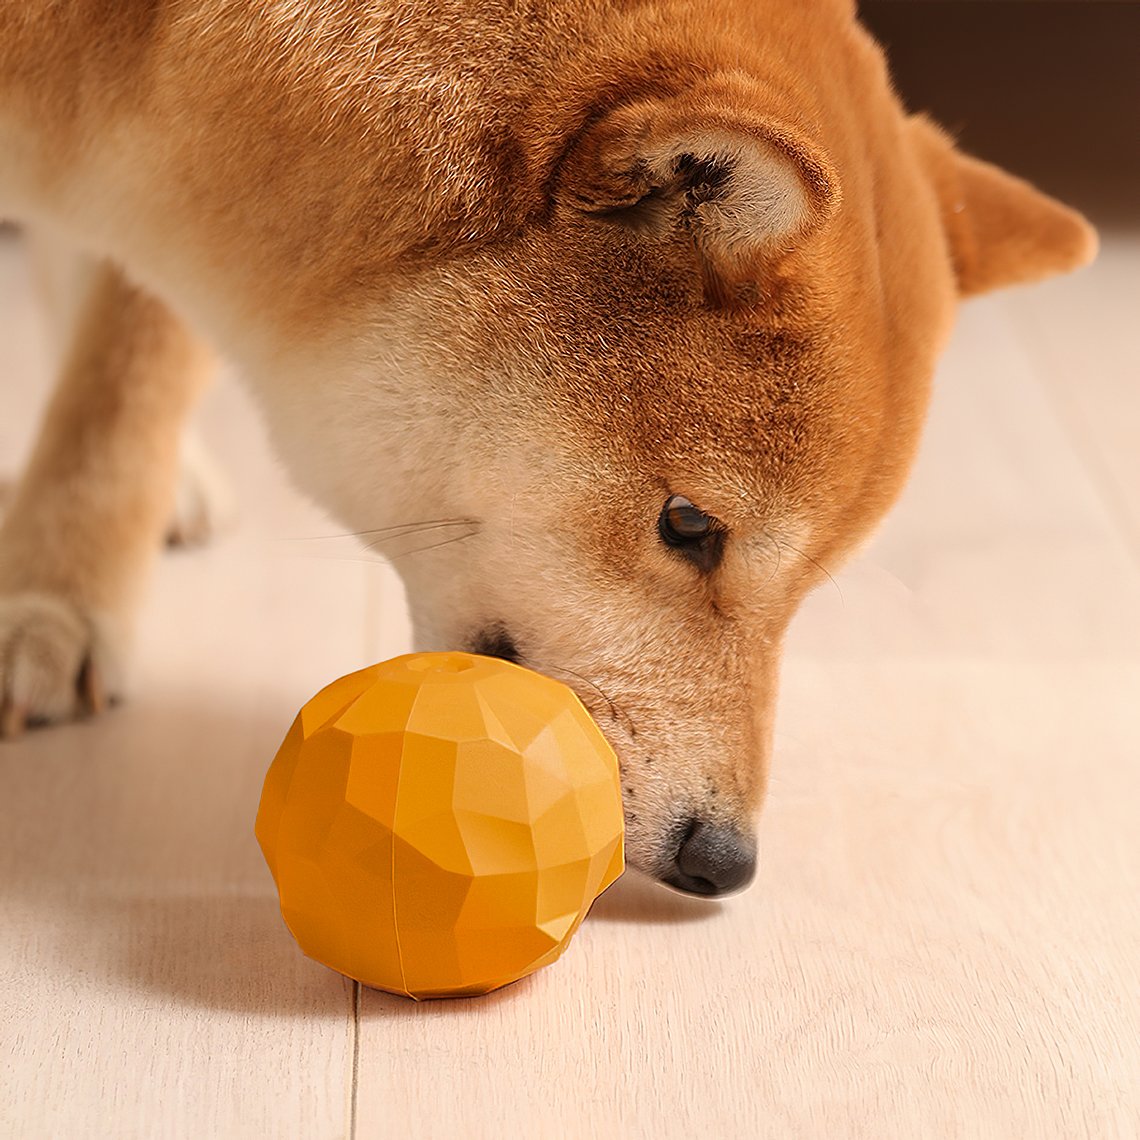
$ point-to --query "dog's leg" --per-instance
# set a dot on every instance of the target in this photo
(203, 504)
(86, 520)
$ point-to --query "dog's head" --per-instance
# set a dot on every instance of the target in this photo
(676, 398)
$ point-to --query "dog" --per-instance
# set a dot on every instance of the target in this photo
(634, 307)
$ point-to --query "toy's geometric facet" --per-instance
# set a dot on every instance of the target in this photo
(439, 825)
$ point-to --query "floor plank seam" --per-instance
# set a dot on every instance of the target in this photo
(353, 1098)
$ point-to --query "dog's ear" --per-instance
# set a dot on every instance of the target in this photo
(743, 187)
(1001, 230)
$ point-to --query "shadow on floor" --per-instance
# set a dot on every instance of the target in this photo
(216, 952)
(637, 899)
(135, 871)
(139, 871)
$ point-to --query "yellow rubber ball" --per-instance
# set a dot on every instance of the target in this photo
(439, 825)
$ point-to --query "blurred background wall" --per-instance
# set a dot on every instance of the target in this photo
(1048, 88)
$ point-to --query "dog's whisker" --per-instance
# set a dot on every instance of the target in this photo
(392, 557)
(400, 530)
(377, 561)
(779, 555)
(405, 529)
(615, 708)
(381, 539)
(818, 565)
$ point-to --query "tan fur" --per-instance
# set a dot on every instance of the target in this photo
(81, 530)
(536, 266)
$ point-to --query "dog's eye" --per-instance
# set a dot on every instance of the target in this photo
(682, 522)
(687, 529)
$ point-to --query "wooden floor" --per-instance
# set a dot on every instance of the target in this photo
(944, 939)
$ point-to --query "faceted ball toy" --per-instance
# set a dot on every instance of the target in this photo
(439, 825)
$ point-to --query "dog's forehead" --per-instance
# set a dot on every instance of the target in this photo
(620, 359)
(723, 402)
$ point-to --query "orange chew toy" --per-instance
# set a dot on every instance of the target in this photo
(439, 825)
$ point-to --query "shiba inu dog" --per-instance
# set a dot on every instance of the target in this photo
(634, 305)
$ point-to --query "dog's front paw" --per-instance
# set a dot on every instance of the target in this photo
(203, 505)
(56, 662)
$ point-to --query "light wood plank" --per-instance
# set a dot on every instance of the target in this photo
(943, 943)
(1081, 335)
(151, 987)
(157, 992)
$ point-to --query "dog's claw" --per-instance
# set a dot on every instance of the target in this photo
(92, 691)
(13, 721)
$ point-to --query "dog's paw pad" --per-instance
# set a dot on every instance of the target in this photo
(55, 664)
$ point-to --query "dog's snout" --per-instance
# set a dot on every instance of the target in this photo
(713, 860)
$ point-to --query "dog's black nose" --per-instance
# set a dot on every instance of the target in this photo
(713, 860)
